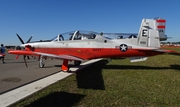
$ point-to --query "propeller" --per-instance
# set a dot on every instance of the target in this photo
(24, 56)
(22, 40)
(29, 39)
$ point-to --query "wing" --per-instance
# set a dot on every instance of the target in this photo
(61, 56)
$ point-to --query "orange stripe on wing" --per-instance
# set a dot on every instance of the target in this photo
(21, 52)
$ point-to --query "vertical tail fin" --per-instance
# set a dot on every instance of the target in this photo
(161, 25)
(151, 31)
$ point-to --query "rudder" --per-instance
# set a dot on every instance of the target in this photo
(150, 32)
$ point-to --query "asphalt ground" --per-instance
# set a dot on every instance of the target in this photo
(14, 73)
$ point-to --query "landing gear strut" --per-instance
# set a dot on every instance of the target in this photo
(64, 66)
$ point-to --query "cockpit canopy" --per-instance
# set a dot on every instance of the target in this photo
(85, 35)
(76, 35)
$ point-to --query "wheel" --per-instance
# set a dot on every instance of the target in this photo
(41, 64)
(77, 63)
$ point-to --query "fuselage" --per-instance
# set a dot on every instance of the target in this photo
(99, 47)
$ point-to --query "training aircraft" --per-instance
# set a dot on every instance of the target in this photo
(78, 45)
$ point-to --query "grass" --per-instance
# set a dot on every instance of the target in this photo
(155, 82)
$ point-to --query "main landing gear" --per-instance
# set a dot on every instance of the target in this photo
(64, 66)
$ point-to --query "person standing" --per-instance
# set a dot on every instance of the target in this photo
(3, 50)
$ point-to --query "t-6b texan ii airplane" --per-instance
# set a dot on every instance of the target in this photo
(78, 46)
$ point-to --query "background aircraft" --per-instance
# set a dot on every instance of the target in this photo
(1, 55)
(80, 45)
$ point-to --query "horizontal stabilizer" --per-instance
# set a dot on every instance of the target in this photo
(138, 59)
(171, 52)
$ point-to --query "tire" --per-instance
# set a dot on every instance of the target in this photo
(41, 64)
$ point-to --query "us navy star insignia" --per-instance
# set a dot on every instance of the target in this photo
(123, 47)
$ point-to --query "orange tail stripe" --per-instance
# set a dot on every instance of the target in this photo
(161, 21)
(160, 27)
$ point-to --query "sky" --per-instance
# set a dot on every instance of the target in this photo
(45, 19)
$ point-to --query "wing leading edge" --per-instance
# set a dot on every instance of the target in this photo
(61, 56)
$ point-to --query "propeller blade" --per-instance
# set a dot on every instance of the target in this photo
(29, 39)
(17, 56)
(20, 38)
(25, 61)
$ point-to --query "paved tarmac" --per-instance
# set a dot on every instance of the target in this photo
(26, 81)
(14, 73)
